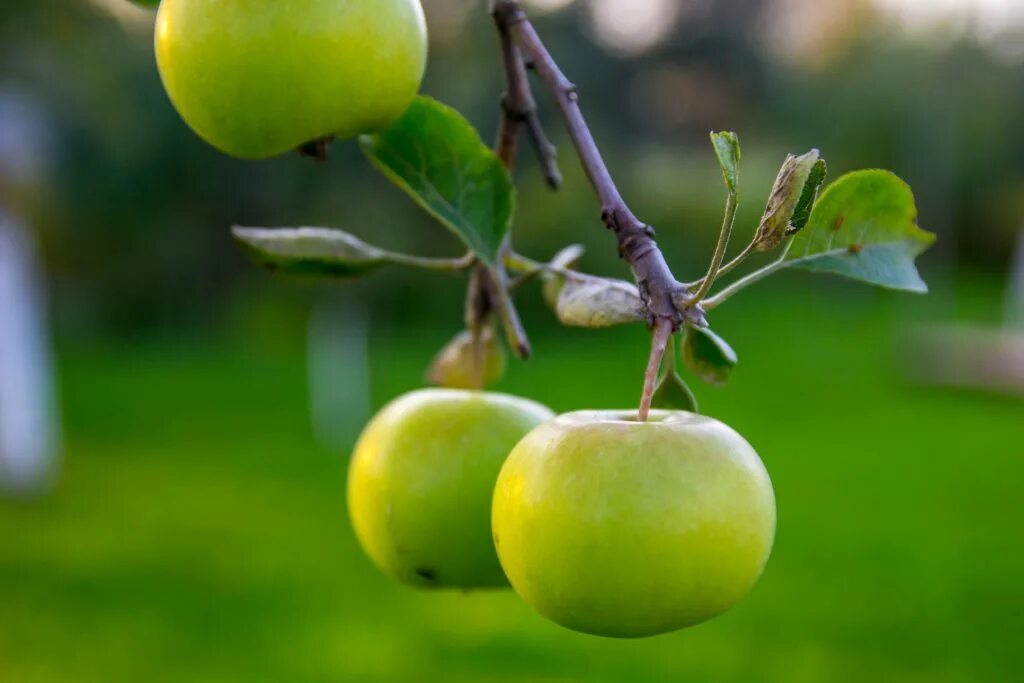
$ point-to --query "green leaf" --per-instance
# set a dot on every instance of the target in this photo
(791, 197)
(707, 355)
(598, 302)
(802, 212)
(437, 157)
(311, 251)
(674, 394)
(864, 226)
(727, 149)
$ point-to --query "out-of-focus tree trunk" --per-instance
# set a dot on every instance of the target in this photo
(1015, 288)
(339, 375)
(28, 415)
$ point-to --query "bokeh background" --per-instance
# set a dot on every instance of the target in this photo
(195, 529)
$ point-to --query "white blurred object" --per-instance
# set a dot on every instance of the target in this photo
(28, 424)
(29, 432)
(988, 359)
(339, 371)
(634, 26)
(1015, 291)
(955, 356)
(26, 144)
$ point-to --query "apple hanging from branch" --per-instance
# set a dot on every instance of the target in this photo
(626, 523)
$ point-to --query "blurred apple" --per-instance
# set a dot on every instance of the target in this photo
(422, 479)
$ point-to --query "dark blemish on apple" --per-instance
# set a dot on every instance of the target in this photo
(316, 149)
(855, 248)
(426, 574)
(840, 219)
(496, 543)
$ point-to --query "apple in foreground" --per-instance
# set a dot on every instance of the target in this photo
(256, 78)
(422, 479)
(621, 528)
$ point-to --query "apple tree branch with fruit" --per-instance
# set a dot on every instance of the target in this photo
(618, 523)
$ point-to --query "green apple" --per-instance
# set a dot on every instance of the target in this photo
(421, 482)
(256, 78)
(622, 528)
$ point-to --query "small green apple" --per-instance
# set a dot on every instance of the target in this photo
(621, 528)
(421, 482)
(256, 78)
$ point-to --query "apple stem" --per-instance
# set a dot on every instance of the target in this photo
(659, 342)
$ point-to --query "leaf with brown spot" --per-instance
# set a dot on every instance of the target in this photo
(879, 240)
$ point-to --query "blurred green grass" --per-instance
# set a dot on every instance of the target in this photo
(199, 533)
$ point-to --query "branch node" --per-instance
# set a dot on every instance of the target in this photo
(608, 218)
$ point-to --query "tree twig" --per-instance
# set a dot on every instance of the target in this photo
(666, 300)
(498, 286)
(518, 109)
(658, 286)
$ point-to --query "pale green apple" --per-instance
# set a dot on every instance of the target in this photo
(622, 528)
(421, 482)
(256, 78)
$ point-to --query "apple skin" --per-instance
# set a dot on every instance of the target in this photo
(256, 78)
(625, 529)
(421, 482)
